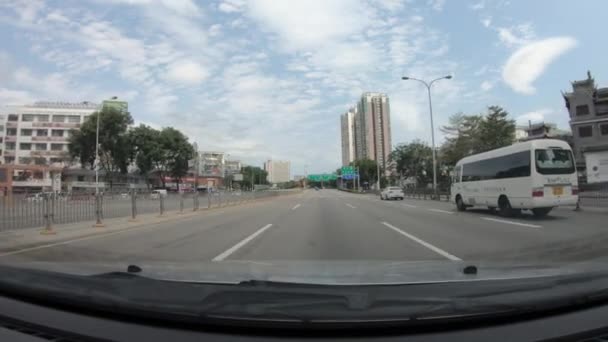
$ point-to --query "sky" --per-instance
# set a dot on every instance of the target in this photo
(261, 79)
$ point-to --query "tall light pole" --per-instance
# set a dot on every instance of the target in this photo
(428, 86)
(97, 155)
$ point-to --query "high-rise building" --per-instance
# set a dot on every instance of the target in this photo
(372, 127)
(347, 121)
(279, 171)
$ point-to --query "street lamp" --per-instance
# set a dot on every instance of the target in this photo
(97, 155)
(428, 88)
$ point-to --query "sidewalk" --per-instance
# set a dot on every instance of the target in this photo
(33, 238)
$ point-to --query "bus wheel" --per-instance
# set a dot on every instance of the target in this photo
(504, 207)
(460, 204)
(541, 212)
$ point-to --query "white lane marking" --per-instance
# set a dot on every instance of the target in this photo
(296, 206)
(350, 205)
(424, 243)
(512, 222)
(441, 211)
(409, 205)
(234, 248)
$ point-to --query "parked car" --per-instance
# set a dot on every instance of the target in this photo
(392, 192)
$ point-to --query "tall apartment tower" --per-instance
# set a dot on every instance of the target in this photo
(373, 128)
(347, 123)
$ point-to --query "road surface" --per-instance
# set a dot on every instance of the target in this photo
(334, 225)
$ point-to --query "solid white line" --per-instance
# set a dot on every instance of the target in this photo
(424, 243)
(512, 222)
(296, 206)
(441, 211)
(409, 205)
(233, 249)
(350, 205)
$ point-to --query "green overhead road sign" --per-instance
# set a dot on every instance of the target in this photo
(324, 177)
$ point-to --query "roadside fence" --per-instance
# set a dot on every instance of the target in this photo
(48, 209)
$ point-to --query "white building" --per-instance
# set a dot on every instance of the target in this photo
(38, 134)
(212, 164)
(279, 171)
(347, 124)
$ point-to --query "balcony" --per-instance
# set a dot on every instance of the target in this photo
(9, 153)
(12, 124)
(56, 124)
(49, 138)
(48, 153)
(33, 182)
(10, 138)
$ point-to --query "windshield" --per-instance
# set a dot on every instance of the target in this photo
(554, 161)
(303, 141)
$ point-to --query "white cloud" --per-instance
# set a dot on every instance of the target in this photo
(534, 116)
(437, 5)
(231, 6)
(478, 6)
(516, 35)
(304, 24)
(486, 22)
(486, 85)
(215, 30)
(186, 72)
(15, 97)
(526, 64)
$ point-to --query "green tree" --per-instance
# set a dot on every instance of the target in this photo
(147, 150)
(253, 175)
(414, 160)
(114, 147)
(496, 129)
(368, 171)
(462, 138)
(175, 153)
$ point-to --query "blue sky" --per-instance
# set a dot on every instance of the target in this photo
(266, 79)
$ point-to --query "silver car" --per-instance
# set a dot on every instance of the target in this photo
(392, 192)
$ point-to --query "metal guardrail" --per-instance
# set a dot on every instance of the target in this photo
(46, 210)
(427, 194)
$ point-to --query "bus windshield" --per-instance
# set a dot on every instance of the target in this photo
(554, 161)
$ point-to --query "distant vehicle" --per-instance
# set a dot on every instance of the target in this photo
(37, 197)
(537, 175)
(392, 192)
(158, 193)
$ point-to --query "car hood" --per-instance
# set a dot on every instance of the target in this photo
(323, 272)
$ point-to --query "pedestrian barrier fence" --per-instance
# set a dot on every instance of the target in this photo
(48, 209)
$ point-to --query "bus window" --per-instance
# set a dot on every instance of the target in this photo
(456, 178)
(554, 161)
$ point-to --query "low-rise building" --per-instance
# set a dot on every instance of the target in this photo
(588, 108)
(279, 171)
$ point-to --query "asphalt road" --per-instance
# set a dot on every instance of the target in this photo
(334, 225)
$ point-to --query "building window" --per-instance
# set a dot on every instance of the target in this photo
(1, 128)
(56, 160)
(10, 146)
(585, 131)
(40, 147)
(80, 178)
(13, 117)
(604, 129)
(43, 118)
(58, 118)
(56, 147)
(9, 160)
(25, 160)
(25, 146)
(26, 132)
(42, 132)
(11, 132)
(27, 117)
(74, 119)
(57, 133)
(582, 110)
(40, 161)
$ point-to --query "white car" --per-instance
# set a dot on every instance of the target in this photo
(392, 192)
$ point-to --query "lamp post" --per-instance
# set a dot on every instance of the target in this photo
(428, 86)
